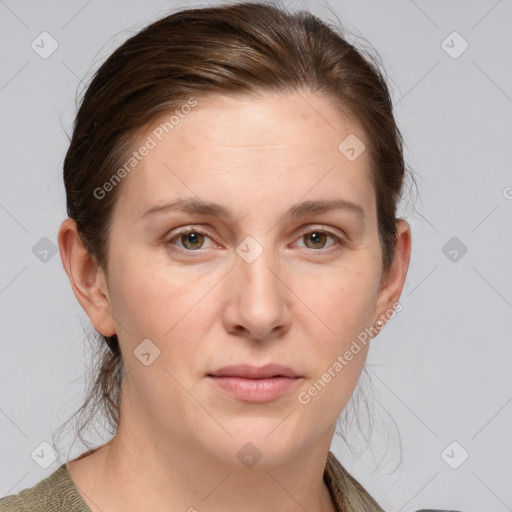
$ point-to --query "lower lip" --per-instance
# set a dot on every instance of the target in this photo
(256, 390)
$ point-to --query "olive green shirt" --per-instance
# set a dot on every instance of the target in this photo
(57, 493)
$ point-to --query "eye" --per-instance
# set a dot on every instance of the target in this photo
(316, 239)
(191, 239)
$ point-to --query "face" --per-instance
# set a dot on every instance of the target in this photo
(247, 268)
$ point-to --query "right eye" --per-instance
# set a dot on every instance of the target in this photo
(191, 240)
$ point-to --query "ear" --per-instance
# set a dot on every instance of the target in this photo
(87, 278)
(392, 285)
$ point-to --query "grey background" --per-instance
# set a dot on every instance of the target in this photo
(441, 368)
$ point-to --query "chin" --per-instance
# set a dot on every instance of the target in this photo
(255, 442)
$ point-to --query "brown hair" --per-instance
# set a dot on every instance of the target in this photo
(244, 48)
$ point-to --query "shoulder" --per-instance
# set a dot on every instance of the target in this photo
(56, 493)
(348, 494)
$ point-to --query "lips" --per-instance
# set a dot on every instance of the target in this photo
(254, 372)
(255, 384)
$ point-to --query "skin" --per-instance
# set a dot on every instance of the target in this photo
(301, 303)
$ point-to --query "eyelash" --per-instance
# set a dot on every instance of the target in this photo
(187, 231)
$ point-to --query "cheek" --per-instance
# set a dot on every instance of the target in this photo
(155, 300)
(344, 298)
(344, 304)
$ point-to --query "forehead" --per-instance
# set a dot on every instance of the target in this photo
(227, 146)
(297, 121)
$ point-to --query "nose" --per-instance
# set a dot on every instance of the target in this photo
(258, 299)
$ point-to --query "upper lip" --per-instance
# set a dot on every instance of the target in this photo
(254, 372)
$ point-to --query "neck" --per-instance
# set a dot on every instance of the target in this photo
(142, 469)
(131, 473)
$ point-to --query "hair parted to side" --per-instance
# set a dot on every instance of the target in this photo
(244, 49)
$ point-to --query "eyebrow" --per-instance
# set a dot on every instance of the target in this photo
(196, 206)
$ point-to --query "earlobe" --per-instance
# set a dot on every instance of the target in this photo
(86, 277)
(392, 287)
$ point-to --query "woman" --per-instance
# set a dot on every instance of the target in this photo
(232, 184)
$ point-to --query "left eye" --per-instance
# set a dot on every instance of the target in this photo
(317, 239)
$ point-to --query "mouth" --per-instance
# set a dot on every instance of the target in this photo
(247, 371)
(255, 384)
